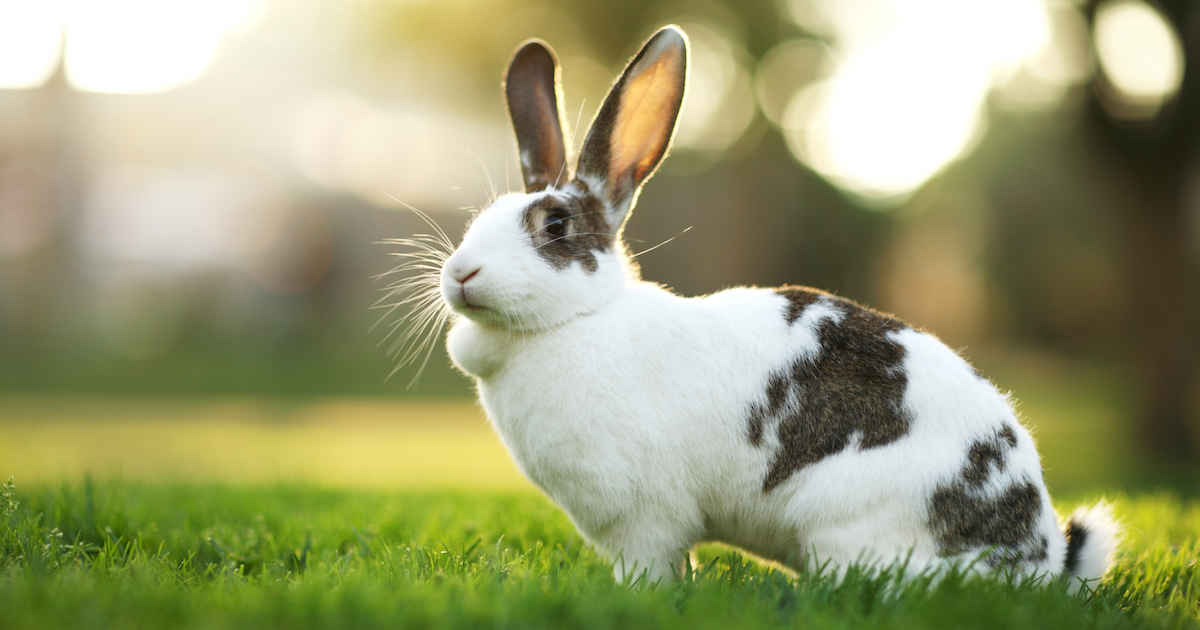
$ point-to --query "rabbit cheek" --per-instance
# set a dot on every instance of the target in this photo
(971, 513)
(851, 390)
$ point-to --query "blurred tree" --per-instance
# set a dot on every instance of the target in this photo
(1153, 160)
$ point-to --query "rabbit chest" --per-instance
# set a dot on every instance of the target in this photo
(564, 433)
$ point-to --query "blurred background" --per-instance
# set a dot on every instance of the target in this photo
(192, 195)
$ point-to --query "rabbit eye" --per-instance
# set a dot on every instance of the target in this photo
(555, 223)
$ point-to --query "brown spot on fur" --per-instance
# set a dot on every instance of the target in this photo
(963, 517)
(587, 228)
(963, 521)
(854, 386)
(777, 391)
(1076, 535)
(798, 299)
(983, 454)
(1008, 435)
(980, 459)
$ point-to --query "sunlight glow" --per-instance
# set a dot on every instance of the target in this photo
(343, 141)
(882, 133)
(720, 101)
(1139, 54)
(145, 46)
(117, 46)
(907, 91)
(1065, 61)
(30, 36)
(785, 70)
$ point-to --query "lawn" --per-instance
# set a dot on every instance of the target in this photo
(360, 513)
(130, 554)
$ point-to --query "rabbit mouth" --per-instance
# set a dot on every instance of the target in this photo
(466, 301)
(459, 301)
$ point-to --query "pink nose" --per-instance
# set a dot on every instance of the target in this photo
(463, 279)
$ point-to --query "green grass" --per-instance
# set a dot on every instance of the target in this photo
(127, 554)
(215, 513)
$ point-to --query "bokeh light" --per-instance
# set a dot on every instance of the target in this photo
(224, 207)
(786, 69)
(30, 39)
(118, 46)
(720, 100)
(145, 46)
(1065, 61)
(1140, 56)
(907, 90)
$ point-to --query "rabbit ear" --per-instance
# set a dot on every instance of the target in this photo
(633, 130)
(532, 90)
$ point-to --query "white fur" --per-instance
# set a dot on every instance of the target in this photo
(628, 406)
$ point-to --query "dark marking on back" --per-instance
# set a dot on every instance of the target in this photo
(964, 521)
(980, 459)
(965, 515)
(588, 230)
(1077, 536)
(854, 386)
(1008, 435)
(987, 453)
(798, 299)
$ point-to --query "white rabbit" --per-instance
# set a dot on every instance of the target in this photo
(794, 424)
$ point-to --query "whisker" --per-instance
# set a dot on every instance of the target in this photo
(414, 263)
(578, 214)
(435, 334)
(441, 234)
(416, 257)
(486, 174)
(672, 238)
(411, 319)
(431, 270)
(412, 344)
(566, 158)
(554, 240)
(507, 184)
(413, 314)
(418, 299)
(416, 286)
(409, 286)
(424, 243)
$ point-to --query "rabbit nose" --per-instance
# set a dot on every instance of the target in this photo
(462, 278)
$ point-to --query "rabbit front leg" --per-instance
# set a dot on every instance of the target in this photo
(645, 550)
(662, 566)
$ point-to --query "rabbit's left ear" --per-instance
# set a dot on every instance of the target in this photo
(633, 130)
(531, 88)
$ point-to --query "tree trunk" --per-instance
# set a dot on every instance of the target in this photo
(1155, 161)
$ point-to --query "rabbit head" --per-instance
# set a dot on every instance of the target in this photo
(538, 258)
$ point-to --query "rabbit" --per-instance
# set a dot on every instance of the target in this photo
(794, 424)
